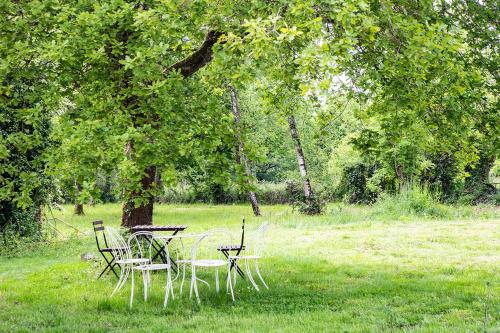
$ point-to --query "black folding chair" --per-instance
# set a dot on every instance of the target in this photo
(225, 249)
(110, 260)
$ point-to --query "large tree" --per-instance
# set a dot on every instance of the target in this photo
(480, 20)
(134, 88)
(127, 66)
(425, 102)
(123, 65)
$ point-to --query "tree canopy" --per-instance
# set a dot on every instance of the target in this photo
(139, 89)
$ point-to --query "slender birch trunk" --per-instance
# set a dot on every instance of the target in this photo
(300, 157)
(241, 158)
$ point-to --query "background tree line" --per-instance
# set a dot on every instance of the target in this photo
(278, 101)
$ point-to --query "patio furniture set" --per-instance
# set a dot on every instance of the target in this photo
(168, 248)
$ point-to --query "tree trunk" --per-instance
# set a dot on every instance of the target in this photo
(78, 209)
(39, 215)
(300, 158)
(142, 214)
(241, 158)
(402, 183)
(255, 204)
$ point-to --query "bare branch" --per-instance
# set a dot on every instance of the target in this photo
(197, 59)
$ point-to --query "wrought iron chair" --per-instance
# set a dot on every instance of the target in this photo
(104, 249)
(226, 249)
(253, 253)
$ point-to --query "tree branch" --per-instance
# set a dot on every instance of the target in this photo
(198, 58)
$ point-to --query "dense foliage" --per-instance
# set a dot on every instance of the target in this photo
(338, 100)
(25, 121)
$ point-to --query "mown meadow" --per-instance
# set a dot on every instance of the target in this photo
(350, 270)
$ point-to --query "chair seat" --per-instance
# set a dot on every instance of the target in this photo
(204, 262)
(182, 261)
(109, 249)
(133, 261)
(230, 247)
(152, 267)
(244, 257)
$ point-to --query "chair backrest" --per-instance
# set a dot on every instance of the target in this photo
(242, 243)
(100, 235)
(205, 247)
(141, 245)
(120, 249)
(255, 243)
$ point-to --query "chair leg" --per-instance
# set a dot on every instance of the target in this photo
(168, 288)
(110, 264)
(127, 273)
(217, 280)
(234, 278)
(249, 274)
(105, 268)
(232, 264)
(183, 277)
(193, 280)
(195, 285)
(260, 276)
(132, 289)
(229, 263)
(123, 278)
(113, 267)
(145, 284)
(172, 290)
(169, 276)
(229, 280)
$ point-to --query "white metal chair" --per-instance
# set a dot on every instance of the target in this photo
(204, 255)
(253, 252)
(123, 257)
(129, 262)
(177, 249)
(141, 244)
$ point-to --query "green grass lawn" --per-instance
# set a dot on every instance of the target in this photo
(341, 272)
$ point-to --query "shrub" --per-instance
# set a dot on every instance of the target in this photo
(311, 206)
(413, 200)
(353, 184)
(273, 193)
(267, 193)
(21, 228)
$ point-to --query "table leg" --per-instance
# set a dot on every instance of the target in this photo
(160, 249)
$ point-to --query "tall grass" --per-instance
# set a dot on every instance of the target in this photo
(413, 203)
(413, 200)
